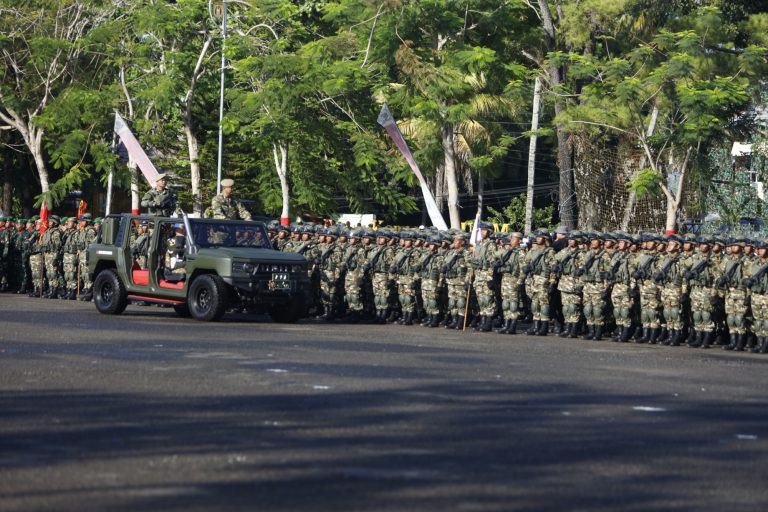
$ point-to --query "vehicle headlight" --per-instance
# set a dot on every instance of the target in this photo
(241, 267)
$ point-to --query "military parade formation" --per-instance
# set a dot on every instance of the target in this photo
(671, 290)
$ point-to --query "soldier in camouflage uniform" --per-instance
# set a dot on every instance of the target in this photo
(224, 206)
(538, 266)
(5, 251)
(508, 265)
(51, 246)
(282, 238)
(592, 275)
(669, 278)
(701, 281)
(140, 245)
(431, 283)
(16, 262)
(457, 280)
(331, 264)
(567, 261)
(757, 286)
(352, 266)
(88, 236)
(378, 265)
(160, 200)
(619, 276)
(36, 268)
(70, 243)
(730, 284)
(649, 292)
(24, 240)
(480, 261)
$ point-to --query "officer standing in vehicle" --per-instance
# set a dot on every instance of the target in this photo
(160, 200)
(224, 206)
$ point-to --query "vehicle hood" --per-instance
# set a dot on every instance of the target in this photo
(252, 254)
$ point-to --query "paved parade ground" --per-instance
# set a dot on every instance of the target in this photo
(148, 411)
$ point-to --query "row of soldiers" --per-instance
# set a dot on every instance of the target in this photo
(51, 264)
(652, 289)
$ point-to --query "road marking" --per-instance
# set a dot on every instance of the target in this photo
(645, 408)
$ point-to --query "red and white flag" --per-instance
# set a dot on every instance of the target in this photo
(388, 122)
(135, 151)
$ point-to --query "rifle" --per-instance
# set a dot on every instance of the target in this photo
(529, 268)
(726, 279)
(588, 264)
(642, 272)
(695, 271)
(750, 281)
(660, 276)
(559, 266)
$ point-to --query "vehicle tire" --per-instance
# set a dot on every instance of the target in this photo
(207, 298)
(109, 293)
(289, 313)
(181, 310)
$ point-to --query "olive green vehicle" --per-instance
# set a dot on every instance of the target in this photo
(201, 267)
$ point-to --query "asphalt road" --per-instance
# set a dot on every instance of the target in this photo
(148, 411)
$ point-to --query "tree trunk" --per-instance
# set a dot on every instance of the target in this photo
(449, 163)
(194, 168)
(564, 158)
(532, 156)
(281, 166)
(630, 207)
(35, 145)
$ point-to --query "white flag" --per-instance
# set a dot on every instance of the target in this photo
(134, 150)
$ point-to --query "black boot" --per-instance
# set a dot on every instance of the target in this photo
(459, 323)
(573, 331)
(619, 334)
(640, 334)
(505, 327)
(734, 340)
(665, 338)
(675, 336)
(433, 321)
(625, 334)
(446, 320)
(590, 332)
(759, 346)
(598, 332)
(691, 335)
(565, 331)
(535, 326)
(706, 340)
(512, 327)
(655, 333)
(764, 346)
(543, 328)
(450, 321)
(646, 335)
(741, 341)
(487, 324)
(698, 339)
(478, 326)
(35, 293)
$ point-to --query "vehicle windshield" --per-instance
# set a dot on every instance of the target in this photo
(229, 234)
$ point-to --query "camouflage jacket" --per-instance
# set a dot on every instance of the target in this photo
(228, 208)
(159, 202)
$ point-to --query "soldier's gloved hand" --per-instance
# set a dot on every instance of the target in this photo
(688, 274)
(747, 300)
(490, 284)
(606, 276)
(417, 269)
(359, 282)
(528, 269)
(393, 269)
(721, 281)
(748, 282)
(714, 299)
(606, 294)
(496, 265)
(638, 275)
(557, 268)
(445, 269)
(634, 293)
(467, 285)
(367, 267)
(579, 272)
(658, 277)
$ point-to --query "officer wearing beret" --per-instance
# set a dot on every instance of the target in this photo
(160, 200)
(224, 206)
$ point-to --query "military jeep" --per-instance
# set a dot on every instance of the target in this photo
(201, 267)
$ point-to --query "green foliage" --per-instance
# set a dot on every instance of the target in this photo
(514, 215)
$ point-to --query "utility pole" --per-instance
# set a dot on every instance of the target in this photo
(532, 155)
(221, 93)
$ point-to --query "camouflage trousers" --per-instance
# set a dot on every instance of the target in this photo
(329, 289)
(736, 311)
(82, 258)
(649, 305)
(537, 288)
(431, 293)
(673, 309)
(52, 272)
(36, 270)
(457, 296)
(69, 264)
(485, 290)
(382, 290)
(701, 307)
(760, 314)
(622, 304)
(594, 303)
(3, 270)
(353, 288)
(406, 293)
(23, 276)
(510, 296)
(570, 298)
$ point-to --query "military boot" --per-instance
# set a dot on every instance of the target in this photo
(543, 328)
(459, 322)
(706, 340)
(573, 332)
(505, 326)
(654, 337)
(665, 338)
(734, 340)
(674, 338)
(486, 325)
(759, 346)
(512, 327)
(645, 336)
(590, 332)
(698, 339)
(598, 332)
(479, 325)
(625, 335)
(535, 326)
(566, 330)
(764, 346)
(741, 342)
(35, 293)
(434, 321)
(619, 333)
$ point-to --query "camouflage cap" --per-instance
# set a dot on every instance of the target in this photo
(55, 219)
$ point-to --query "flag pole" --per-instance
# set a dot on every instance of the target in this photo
(221, 95)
